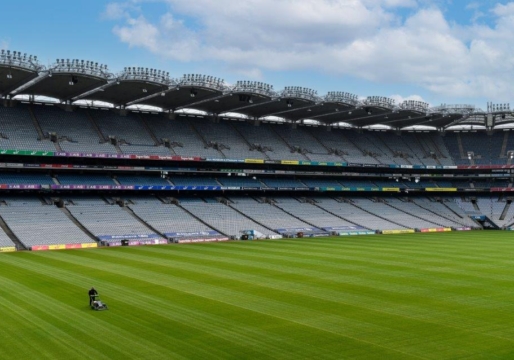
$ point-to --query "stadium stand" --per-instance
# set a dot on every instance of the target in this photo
(226, 219)
(107, 221)
(169, 219)
(18, 130)
(141, 180)
(270, 214)
(84, 179)
(73, 129)
(37, 224)
(52, 128)
(25, 178)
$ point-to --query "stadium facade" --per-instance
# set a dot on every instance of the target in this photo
(75, 174)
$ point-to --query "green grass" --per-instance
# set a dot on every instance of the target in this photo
(421, 296)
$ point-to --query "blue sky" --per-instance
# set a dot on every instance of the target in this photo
(433, 50)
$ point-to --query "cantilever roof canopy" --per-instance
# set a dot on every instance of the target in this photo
(71, 80)
(190, 89)
(244, 93)
(67, 79)
(16, 69)
(291, 98)
(130, 85)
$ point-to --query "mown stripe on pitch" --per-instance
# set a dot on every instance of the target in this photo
(245, 333)
(142, 301)
(103, 332)
(253, 301)
(280, 309)
(458, 302)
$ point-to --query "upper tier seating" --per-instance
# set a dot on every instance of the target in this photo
(182, 136)
(130, 128)
(266, 136)
(73, 129)
(18, 131)
(88, 131)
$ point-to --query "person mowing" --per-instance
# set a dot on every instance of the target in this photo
(92, 293)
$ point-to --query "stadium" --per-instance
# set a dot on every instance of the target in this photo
(372, 216)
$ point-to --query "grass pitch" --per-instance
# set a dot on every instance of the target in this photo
(421, 296)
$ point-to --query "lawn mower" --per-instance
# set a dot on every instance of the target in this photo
(97, 304)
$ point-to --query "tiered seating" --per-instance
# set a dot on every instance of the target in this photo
(369, 141)
(338, 140)
(467, 206)
(492, 208)
(394, 214)
(269, 215)
(444, 211)
(141, 180)
(75, 126)
(180, 131)
(412, 208)
(321, 182)
(396, 147)
(282, 182)
(311, 213)
(239, 181)
(84, 179)
(25, 178)
(223, 133)
(451, 142)
(107, 220)
(5, 241)
(301, 138)
(265, 136)
(41, 224)
(167, 218)
(193, 181)
(358, 183)
(21, 200)
(355, 214)
(419, 148)
(19, 132)
(224, 219)
(129, 128)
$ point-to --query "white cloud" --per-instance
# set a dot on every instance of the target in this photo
(116, 11)
(4, 44)
(362, 38)
(398, 99)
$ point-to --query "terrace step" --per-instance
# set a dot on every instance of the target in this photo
(199, 219)
(405, 212)
(381, 217)
(78, 223)
(433, 212)
(296, 217)
(95, 126)
(339, 216)
(248, 217)
(36, 123)
(505, 209)
(140, 220)
(150, 132)
(17, 242)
